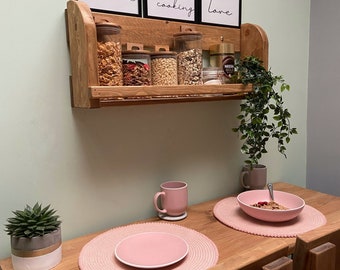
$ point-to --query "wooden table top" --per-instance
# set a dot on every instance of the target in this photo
(236, 249)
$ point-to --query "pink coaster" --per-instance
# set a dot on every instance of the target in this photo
(99, 252)
(229, 213)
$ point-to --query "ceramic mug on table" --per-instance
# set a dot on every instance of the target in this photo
(255, 178)
(173, 198)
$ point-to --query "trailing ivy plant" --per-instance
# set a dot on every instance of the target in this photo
(263, 115)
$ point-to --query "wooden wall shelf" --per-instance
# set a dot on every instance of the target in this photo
(250, 39)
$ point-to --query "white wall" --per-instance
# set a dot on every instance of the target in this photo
(323, 153)
(100, 168)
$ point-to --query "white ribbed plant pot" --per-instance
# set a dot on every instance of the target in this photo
(37, 253)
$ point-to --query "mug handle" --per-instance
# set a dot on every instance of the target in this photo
(155, 199)
(242, 175)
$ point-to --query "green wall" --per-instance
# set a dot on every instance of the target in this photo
(100, 168)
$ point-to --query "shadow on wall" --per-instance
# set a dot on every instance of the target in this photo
(159, 141)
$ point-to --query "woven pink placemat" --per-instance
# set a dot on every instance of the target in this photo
(99, 252)
(229, 213)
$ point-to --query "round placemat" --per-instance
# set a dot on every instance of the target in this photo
(99, 252)
(229, 213)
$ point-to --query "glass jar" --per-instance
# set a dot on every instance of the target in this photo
(164, 68)
(212, 75)
(136, 68)
(223, 56)
(109, 52)
(189, 59)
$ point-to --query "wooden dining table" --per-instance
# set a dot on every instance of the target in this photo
(236, 249)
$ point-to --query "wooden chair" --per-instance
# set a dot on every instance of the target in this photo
(318, 249)
(315, 250)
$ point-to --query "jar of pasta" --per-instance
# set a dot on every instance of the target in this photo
(109, 52)
(188, 45)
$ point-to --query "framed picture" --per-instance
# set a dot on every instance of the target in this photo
(220, 12)
(123, 7)
(176, 10)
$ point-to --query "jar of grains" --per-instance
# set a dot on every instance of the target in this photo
(136, 67)
(164, 68)
(188, 45)
(109, 54)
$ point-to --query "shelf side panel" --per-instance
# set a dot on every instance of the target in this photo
(254, 42)
(82, 39)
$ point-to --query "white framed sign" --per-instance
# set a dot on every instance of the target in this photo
(177, 10)
(221, 12)
(125, 7)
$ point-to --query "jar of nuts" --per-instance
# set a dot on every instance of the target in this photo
(164, 68)
(109, 54)
(136, 67)
(188, 45)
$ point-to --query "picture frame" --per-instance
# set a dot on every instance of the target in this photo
(173, 10)
(220, 12)
(122, 7)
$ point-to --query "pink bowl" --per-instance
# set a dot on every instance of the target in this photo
(294, 204)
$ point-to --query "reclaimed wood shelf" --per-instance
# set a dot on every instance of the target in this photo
(249, 40)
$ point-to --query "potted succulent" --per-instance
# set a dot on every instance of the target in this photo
(262, 113)
(35, 238)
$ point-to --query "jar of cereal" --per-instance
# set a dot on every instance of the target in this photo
(109, 52)
(188, 45)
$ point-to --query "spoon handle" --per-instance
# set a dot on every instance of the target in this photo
(271, 193)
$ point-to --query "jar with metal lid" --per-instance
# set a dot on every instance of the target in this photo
(109, 52)
(188, 45)
(164, 67)
(223, 55)
(136, 66)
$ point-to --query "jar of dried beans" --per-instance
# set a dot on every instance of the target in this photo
(164, 68)
(188, 45)
(109, 54)
(136, 67)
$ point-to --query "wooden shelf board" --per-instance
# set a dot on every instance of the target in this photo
(159, 91)
(120, 95)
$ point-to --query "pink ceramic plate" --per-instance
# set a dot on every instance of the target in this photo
(151, 250)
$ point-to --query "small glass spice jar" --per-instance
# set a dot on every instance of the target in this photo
(136, 66)
(212, 75)
(164, 67)
(188, 45)
(109, 52)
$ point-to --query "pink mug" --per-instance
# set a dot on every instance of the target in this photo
(255, 178)
(174, 198)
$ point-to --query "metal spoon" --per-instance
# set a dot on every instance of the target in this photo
(271, 193)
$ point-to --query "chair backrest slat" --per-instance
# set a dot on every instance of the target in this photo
(283, 263)
(322, 257)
